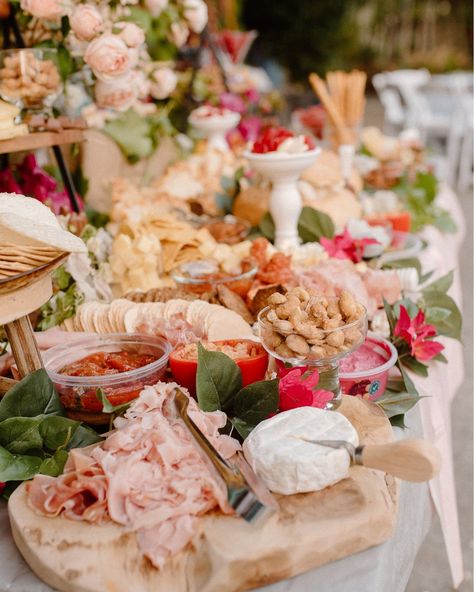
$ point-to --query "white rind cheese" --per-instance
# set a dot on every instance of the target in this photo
(287, 464)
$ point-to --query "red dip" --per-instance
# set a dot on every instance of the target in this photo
(103, 363)
(363, 358)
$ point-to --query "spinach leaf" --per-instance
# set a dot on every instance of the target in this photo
(218, 379)
(17, 467)
(107, 406)
(34, 395)
(21, 434)
(82, 437)
(242, 427)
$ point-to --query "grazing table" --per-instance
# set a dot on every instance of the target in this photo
(387, 566)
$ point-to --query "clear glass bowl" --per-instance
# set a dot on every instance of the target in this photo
(240, 283)
(78, 393)
(29, 78)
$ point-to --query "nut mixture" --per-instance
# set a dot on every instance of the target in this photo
(25, 76)
(310, 326)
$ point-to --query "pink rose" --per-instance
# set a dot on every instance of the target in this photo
(179, 34)
(156, 7)
(118, 94)
(86, 22)
(109, 57)
(164, 82)
(51, 10)
(132, 34)
(195, 12)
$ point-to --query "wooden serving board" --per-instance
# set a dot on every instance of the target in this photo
(228, 555)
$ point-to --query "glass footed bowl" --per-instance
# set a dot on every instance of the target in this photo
(29, 78)
(238, 283)
(322, 357)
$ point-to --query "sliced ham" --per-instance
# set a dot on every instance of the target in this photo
(380, 284)
(148, 475)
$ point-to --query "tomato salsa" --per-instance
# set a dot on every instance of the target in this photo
(103, 363)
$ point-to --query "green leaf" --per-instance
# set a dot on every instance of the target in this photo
(140, 17)
(415, 366)
(411, 307)
(442, 284)
(15, 467)
(451, 325)
(410, 387)
(267, 227)
(256, 402)
(21, 434)
(134, 134)
(312, 225)
(57, 432)
(441, 358)
(33, 395)
(398, 421)
(224, 202)
(107, 406)
(426, 276)
(218, 379)
(54, 465)
(396, 403)
(404, 263)
(437, 315)
(242, 427)
(82, 437)
(66, 64)
(444, 221)
(61, 278)
(392, 321)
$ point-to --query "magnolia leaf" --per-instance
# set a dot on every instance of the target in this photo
(426, 276)
(404, 263)
(267, 227)
(441, 358)
(410, 387)
(57, 432)
(392, 321)
(410, 306)
(442, 284)
(398, 421)
(16, 467)
(54, 465)
(415, 366)
(396, 403)
(450, 326)
(107, 406)
(242, 427)
(21, 434)
(436, 315)
(312, 225)
(33, 395)
(257, 401)
(218, 379)
(444, 221)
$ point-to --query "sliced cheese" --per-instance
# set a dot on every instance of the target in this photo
(277, 451)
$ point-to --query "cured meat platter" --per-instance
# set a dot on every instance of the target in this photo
(228, 555)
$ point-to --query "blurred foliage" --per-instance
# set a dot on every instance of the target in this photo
(306, 35)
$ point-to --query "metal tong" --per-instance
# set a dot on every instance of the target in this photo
(246, 493)
(409, 460)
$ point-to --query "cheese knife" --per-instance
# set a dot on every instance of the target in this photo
(409, 460)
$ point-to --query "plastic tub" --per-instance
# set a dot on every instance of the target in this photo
(78, 393)
(370, 382)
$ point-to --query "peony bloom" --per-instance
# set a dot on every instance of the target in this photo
(109, 57)
(164, 82)
(417, 334)
(179, 33)
(51, 10)
(195, 12)
(132, 34)
(118, 94)
(156, 7)
(298, 390)
(86, 22)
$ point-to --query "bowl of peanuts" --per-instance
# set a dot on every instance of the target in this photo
(303, 328)
(29, 78)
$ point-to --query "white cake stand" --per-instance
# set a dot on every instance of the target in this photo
(283, 170)
(215, 129)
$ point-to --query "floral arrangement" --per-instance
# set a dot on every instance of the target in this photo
(114, 56)
(345, 246)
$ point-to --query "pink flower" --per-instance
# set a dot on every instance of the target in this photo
(156, 7)
(86, 22)
(119, 94)
(164, 82)
(51, 10)
(179, 33)
(195, 12)
(250, 128)
(109, 57)
(416, 333)
(344, 246)
(299, 391)
(232, 102)
(252, 95)
(132, 34)
(8, 182)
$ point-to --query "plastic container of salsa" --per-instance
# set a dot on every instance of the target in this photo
(119, 364)
(365, 371)
(253, 367)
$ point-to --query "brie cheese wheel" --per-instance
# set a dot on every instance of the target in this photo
(277, 451)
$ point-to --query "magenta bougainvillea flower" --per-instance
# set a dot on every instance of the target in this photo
(345, 246)
(297, 388)
(418, 335)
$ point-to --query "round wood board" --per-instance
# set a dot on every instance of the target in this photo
(228, 555)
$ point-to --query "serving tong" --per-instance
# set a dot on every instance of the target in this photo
(246, 492)
(409, 460)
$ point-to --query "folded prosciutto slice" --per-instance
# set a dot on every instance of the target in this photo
(147, 475)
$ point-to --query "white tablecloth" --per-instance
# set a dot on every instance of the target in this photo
(386, 567)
